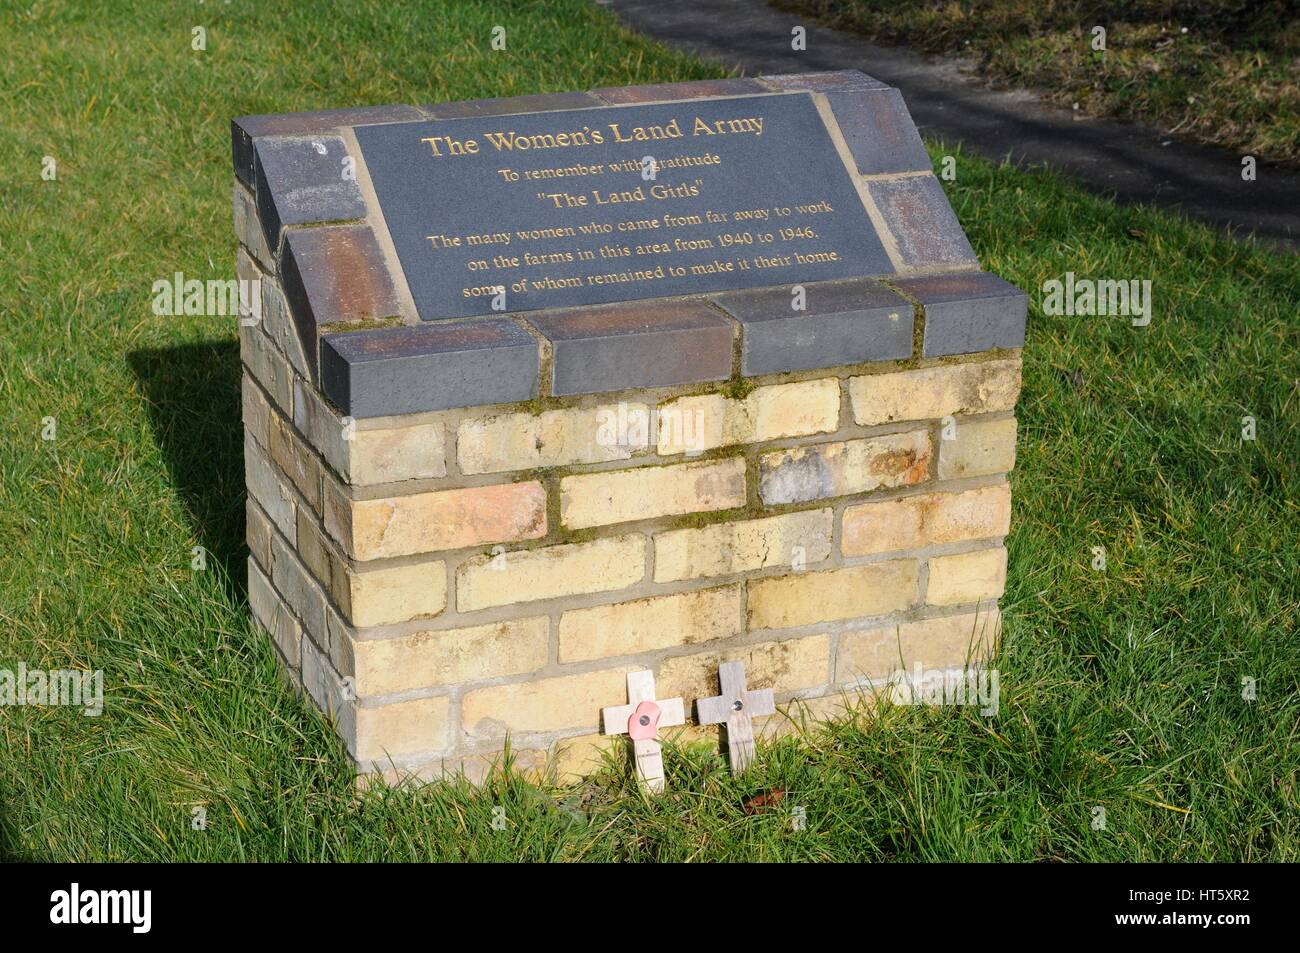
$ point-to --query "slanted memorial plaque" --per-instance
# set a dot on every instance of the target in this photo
(476, 516)
(592, 206)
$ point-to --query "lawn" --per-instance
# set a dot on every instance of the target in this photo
(1225, 72)
(1121, 688)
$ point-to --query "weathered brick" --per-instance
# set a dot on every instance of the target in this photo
(369, 457)
(929, 519)
(823, 82)
(413, 452)
(374, 735)
(315, 550)
(878, 653)
(603, 565)
(262, 597)
(277, 322)
(244, 130)
(373, 596)
(573, 759)
(268, 365)
(978, 448)
(394, 594)
(249, 231)
(448, 657)
(269, 489)
(299, 181)
(549, 704)
(437, 520)
(303, 594)
(804, 598)
(288, 638)
(296, 461)
(793, 539)
(326, 688)
(555, 438)
(926, 231)
(975, 388)
(844, 467)
(788, 665)
(707, 421)
(274, 616)
(256, 410)
(620, 496)
(659, 622)
(332, 276)
(248, 297)
(259, 532)
(690, 89)
(325, 430)
(402, 728)
(969, 577)
(878, 131)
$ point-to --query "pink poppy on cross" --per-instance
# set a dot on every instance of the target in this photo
(640, 719)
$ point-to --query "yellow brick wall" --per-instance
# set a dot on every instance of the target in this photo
(441, 581)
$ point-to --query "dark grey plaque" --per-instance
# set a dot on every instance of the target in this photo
(748, 192)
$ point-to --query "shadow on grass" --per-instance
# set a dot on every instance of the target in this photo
(192, 392)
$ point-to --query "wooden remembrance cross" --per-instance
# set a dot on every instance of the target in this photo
(736, 707)
(641, 718)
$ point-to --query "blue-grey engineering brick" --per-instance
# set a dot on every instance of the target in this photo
(642, 344)
(301, 182)
(845, 322)
(245, 130)
(823, 82)
(433, 366)
(331, 275)
(879, 131)
(968, 312)
(692, 89)
(917, 212)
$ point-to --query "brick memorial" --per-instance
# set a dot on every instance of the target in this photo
(545, 391)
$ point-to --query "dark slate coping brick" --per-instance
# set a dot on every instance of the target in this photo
(642, 344)
(698, 89)
(845, 322)
(824, 82)
(435, 366)
(921, 220)
(244, 130)
(968, 312)
(334, 274)
(538, 103)
(299, 181)
(879, 131)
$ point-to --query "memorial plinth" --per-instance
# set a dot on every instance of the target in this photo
(545, 390)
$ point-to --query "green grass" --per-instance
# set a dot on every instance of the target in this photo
(1225, 72)
(1120, 688)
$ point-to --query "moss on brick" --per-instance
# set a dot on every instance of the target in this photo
(363, 324)
(739, 388)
